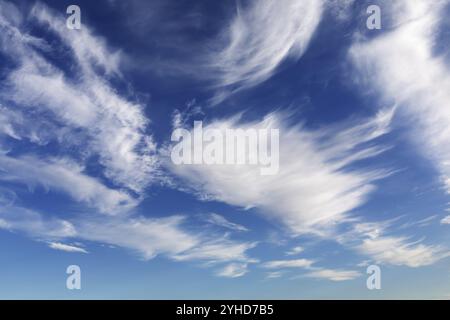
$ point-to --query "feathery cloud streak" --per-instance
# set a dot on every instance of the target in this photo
(260, 37)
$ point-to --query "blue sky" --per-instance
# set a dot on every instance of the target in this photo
(85, 136)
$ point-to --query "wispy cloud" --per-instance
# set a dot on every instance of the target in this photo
(81, 103)
(147, 237)
(313, 270)
(87, 48)
(341, 9)
(420, 223)
(279, 264)
(233, 270)
(217, 219)
(402, 252)
(376, 241)
(66, 247)
(294, 251)
(259, 38)
(334, 275)
(33, 224)
(87, 119)
(403, 65)
(445, 220)
(218, 250)
(364, 263)
(76, 111)
(65, 176)
(274, 275)
(314, 188)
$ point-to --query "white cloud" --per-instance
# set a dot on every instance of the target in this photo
(66, 176)
(314, 188)
(420, 223)
(218, 250)
(372, 240)
(398, 251)
(150, 237)
(341, 9)
(220, 221)
(92, 114)
(80, 110)
(66, 247)
(334, 275)
(7, 197)
(233, 270)
(403, 65)
(294, 251)
(147, 237)
(445, 220)
(88, 49)
(315, 272)
(364, 264)
(4, 224)
(21, 126)
(274, 275)
(279, 264)
(7, 121)
(260, 37)
(32, 223)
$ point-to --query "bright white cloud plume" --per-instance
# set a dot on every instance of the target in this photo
(404, 66)
(260, 37)
(314, 189)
